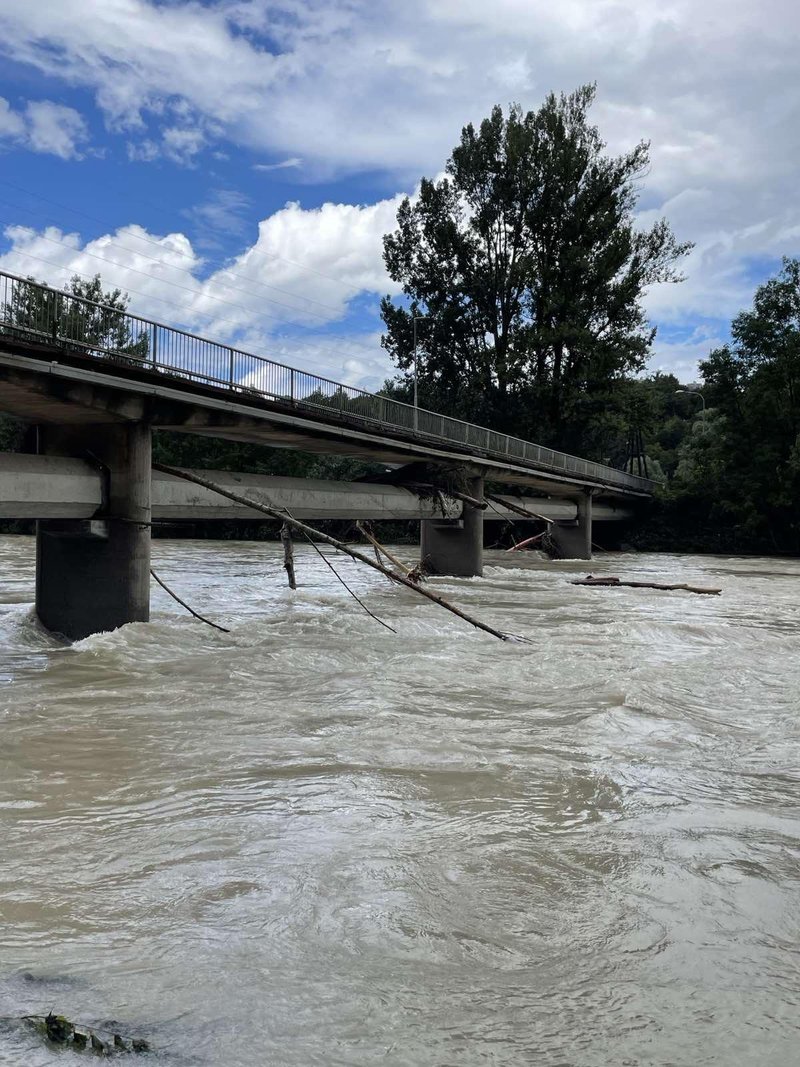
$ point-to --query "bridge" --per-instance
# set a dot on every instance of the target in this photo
(97, 381)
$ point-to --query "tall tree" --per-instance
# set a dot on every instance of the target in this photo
(527, 267)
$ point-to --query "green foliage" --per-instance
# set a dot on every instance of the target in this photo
(737, 475)
(529, 271)
(55, 314)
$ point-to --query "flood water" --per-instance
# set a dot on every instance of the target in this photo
(313, 842)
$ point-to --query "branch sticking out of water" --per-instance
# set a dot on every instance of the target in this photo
(183, 604)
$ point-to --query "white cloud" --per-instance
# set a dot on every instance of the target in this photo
(46, 127)
(279, 297)
(158, 272)
(56, 129)
(182, 145)
(315, 262)
(285, 164)
(12, 125)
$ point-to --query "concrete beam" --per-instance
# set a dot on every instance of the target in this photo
(305, 498)
(59, 487)
(48, 487)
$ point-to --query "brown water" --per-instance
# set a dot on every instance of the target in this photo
(313, 842)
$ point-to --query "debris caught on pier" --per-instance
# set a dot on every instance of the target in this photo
(317, 535)
(414, 573)
(615, 583)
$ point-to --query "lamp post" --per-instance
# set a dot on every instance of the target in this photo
(694, 392)
(417, 318)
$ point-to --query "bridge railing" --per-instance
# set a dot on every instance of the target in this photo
(42, 313)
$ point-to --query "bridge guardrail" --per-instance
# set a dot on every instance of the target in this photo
(40, 312)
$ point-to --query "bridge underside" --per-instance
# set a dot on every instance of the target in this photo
(81, 390)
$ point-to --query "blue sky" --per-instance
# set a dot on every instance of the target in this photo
(233, 164)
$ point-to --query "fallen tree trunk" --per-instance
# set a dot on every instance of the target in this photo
(373, 540)
(614, 583)
(309, 531)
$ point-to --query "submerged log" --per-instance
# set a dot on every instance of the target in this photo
(59, 1030)
(614, 583)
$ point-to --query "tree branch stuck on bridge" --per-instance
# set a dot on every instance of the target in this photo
(340, 546)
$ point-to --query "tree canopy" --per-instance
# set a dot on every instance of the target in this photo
(529, 270)
(101, 323)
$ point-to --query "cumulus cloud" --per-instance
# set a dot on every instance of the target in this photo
(44, 126)
(285, 295)
(56, 129)
(12, 125)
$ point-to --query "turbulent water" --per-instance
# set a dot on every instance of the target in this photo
(313, 842)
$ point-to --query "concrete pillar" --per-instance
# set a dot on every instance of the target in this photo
(455, 546)
(573, 538)
(94, 575)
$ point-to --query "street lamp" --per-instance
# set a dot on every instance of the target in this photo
(694, 392)
(417, 318)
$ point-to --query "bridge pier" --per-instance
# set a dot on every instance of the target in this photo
(94, 575)
(455, 546)
(573, 539)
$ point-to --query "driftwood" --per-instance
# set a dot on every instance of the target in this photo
(309, 531)
(379, 549)
(614, 583)
(59, 1030)
(524, 544)
(183, 604)
(288, 555)
(425, 489)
